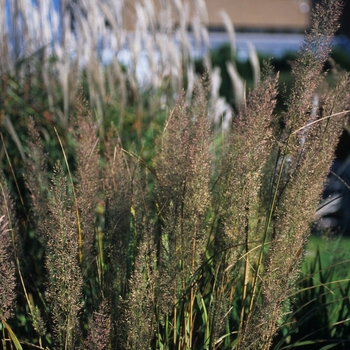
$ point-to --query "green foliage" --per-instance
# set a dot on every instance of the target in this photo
(320, 314)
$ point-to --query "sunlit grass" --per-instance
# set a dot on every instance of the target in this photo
(334, 252)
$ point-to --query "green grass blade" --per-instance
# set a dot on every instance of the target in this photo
(12, 336)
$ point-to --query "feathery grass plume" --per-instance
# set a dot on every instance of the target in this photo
(117, 182)
(238, 83)
(200, 22)
(99, 328)
(166, 17)
(301, 197)
(238, 201)
(183, 13)
(138, 303)
(7, 266)
(294, 201)
(91, 27)
(254, 62)
(230, 31)
(64, 275)
(37, 182)
(220, 110)
(141, 301)
(17, 254)
(183, 172)
(118, 189)
(307, 68)
(87, 175)
(36, 176)
(246, 151)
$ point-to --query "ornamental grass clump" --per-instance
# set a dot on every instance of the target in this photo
(303, 154)
(64, 289)
(198, 247)
(183, 195)
(241, 218)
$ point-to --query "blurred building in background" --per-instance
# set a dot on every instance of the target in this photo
(251, 15)
(267, 15)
